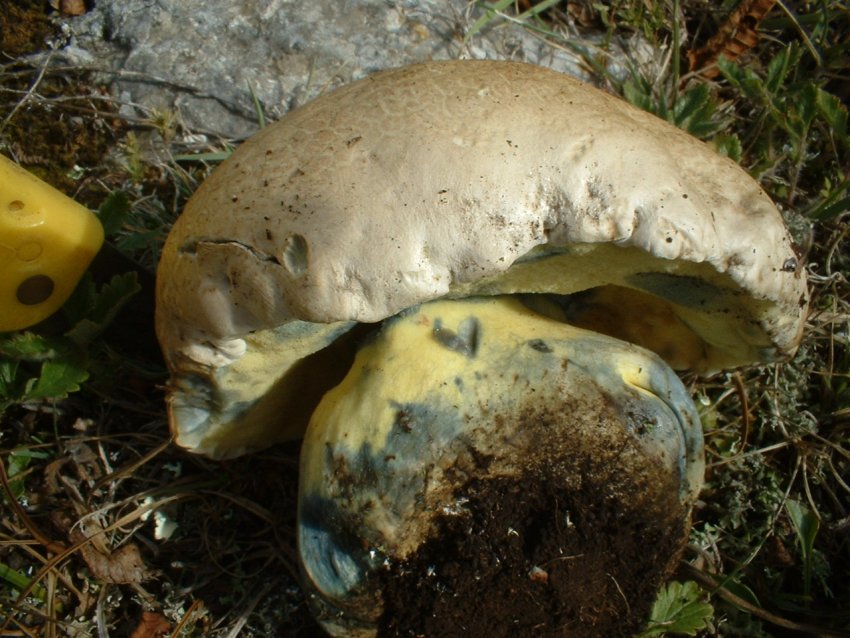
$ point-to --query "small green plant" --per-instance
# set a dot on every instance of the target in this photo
(792, 124)
(496, 10)
(17, 462)
(131, 158)
(680, 609)
(694, 110)
(36, 366)
(647, 18)
(19, 582)
(806, 526)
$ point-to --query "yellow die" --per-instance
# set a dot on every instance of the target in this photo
(47, 240)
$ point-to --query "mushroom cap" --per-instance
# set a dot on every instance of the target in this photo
(452, 179)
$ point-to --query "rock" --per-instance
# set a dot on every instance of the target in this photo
(210, 60)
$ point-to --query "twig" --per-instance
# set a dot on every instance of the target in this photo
(709, 581)
(51, 604)
(805, 36)
(236, 630)
(146, 78)
(52, 546)
(100, 613)
(29, 92)
(745, 407)
(619, 589)
(761, 450)
(58, 558)
(64, 579)
(193, 609)
(131, 468)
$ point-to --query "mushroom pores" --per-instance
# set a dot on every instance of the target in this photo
(479, 450)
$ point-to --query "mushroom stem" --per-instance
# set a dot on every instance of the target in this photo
(478, 451)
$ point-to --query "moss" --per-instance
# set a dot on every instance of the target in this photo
(50, 141)
(58, 126)
(23, 27)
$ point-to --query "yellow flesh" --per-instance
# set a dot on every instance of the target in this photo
(691, 315)
(716, 326)
(408, 364)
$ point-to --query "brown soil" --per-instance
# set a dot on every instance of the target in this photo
(589, 563)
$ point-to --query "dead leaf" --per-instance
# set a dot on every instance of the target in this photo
(152, 625)
(72, 7)
(121, 566)
(86, 461)
(51, 476)
(91, 527)
(738, 34)
(584, 13)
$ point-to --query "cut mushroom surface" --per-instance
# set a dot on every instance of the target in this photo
(454, 396)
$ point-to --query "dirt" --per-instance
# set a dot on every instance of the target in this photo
(545, 516)
(590, 562)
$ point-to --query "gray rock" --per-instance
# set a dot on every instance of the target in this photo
(208, 61)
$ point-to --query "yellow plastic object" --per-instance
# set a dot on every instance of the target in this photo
(47, 241)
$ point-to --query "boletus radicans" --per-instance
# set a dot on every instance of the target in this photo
(467, 285)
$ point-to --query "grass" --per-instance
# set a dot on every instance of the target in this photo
(111, 530)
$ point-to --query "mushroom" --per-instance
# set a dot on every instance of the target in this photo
(473, 279)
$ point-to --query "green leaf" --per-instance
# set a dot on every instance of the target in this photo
(834, 112)
(806, 525)
(694, 112)
(779, 67)
(678, 609)
(212, 156)
(11, 384)
(105, 304)
(113, 212)
(29, 346)
(15, 464)
(806, 103)
(81, 300)
(59, 378)
(20, 582)
(638, 92)
(141, 240)
(733, 585)
(834, 200)
(745, 80)
(490, 12)
(112, 297)
(258, 106)
(537, 9)
(8, 374)
(17, 461)
(830, 210)
(729, 145)
(64, 362)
